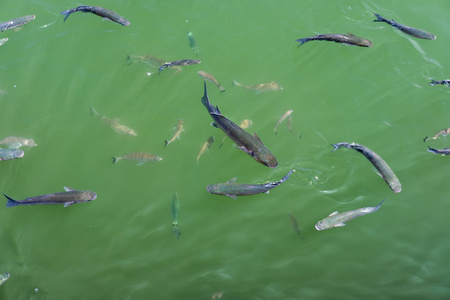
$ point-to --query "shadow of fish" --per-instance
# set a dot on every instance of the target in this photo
(418, 33)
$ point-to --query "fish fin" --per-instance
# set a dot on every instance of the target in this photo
(140, 163)
(232, 180)
(339, 225)
(11, 202)
(333, 213)
(235, 83)
(68, 189)
(93, 111)
(66, 13)
(231, 196)
(106, 19)
(256, 137)
(166, 143)
(69, 203)
(266, 192)
(425, 139)
(349, 34)
(243, 148)
(214, 124)
(434, 82)
(115, 159)
(379, 18)
(302, 41)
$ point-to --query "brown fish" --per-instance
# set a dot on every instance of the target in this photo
(141, 157)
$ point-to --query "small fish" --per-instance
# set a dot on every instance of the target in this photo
(141, 157)
(418, 33)
(192, 43)
(295, 225)
(283, 117)
(152, 61)
(261, 87)
(107, 14)
(443, 132)
(17, 142)
(336, 219)
(206, 145)
(175, 207)
(233, 189)
(246, 123)
(3, 278)
(114, 124)
(385, 171)
(443, 82)
(250, 144)
(209, 77)
(183, 62)
(347, 38)
(10, 153)
(16, 23)
(178, 130)
(445, 151)
(69, 197)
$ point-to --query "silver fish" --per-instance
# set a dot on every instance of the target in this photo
(418, 33)
(99, 11)
(7, 154)
(336, 219)
(261, 87)
(3, 278)
(16, 22)
(17, 142)
(69, 197)
(182, 62)
(141, 157)
(114, 124)
(347, 38)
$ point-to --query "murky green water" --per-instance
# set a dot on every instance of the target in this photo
(121, 245)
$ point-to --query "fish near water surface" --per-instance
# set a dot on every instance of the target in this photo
(233, 189)
(141, 157)
(348, 38)
(443, 132)
(10, 153)
(99, 11)
(418, 33)
(250, 144)
(260, 87)
(445, 151)
(182, 62)
(282, 118)
(17, 142)
(209, 77)
(3, 278)
(178, 130)
(336, 219)
(69, 197)
(16, 23)
(192, 43)
(114, 124)
(443, 82)
(206, 145)
(383, 168)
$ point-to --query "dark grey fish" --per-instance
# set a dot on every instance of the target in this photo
(347, 38)
(182, 62)
(69, 197)
(418, 33)
(192, 43)
(233, 189)
(10, 153)
(445, 151)
(99, 11)
(383, 168)
(16, 22)
(175, 207)
(443, 82)
(250, 144)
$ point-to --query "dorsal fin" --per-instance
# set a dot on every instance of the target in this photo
(68, 189)
(333, 213)
(232, 180)
(256, 137)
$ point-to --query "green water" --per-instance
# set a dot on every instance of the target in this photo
(121, 245)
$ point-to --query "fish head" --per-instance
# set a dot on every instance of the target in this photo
(212, 188)
(30, 143)
(89, 196)
(321, 225)
(18, 153)
(275, 86)
(264, 156)
(132, 132)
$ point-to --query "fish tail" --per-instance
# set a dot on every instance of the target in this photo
(166, 142)
(115, 159)
(235, 83)
(378, 206)
(380, 18)
(93, 111)
(207, 104)
(287, 176)
(221, 88)
(425, 139)
(432, 150)
(434, 82)
(67, 13)
(302, 41)
(11, 202)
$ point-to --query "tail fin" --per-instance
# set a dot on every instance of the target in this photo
(287, 176)
(235, 83)
(207, 104)
(221, 88)
(432, 150)
(115, 159)
(11, 202)
(434, 82)
(302, 41)
(166, 142)
(67, 13)
(380, 18)
(93, 111)
(425, 139)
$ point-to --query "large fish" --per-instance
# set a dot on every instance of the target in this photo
(385, 171)
(445, 151)
(251, 144)
(141, 157)
(206, 145)
(16, 23)
(99, 11)
(443, 132)
(347, 38)
(233, 189)
(10, 153)
(178, 130)
(3, 278)
(260, 87)
(69, 197)
(175, 208)
(209, 77)
(17, 142)
(418, 33)
(443, 82)
(182, 62)
(114, 124)
(336, 219)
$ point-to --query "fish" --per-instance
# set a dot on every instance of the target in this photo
(192, 43)
(206, 145)
(3, 278)
(175, 207)
(183, 62)
(209, 77)
(445, 151)
(114, 124)
(250, 144)
(16, 22)
(17, 142)
(69, 197)
(179, 129)
(443, 132)
(348, 38)
(383, 168)
(246, 123)
(217, 295)
(295, 225)
(443, 82)
(336, 219)
(10, 153)
(107, 14)
(261, 87)
(418, 33)
(152, 61)
(283, 117)
(233, 189)
(141, 157)
(2, 41)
